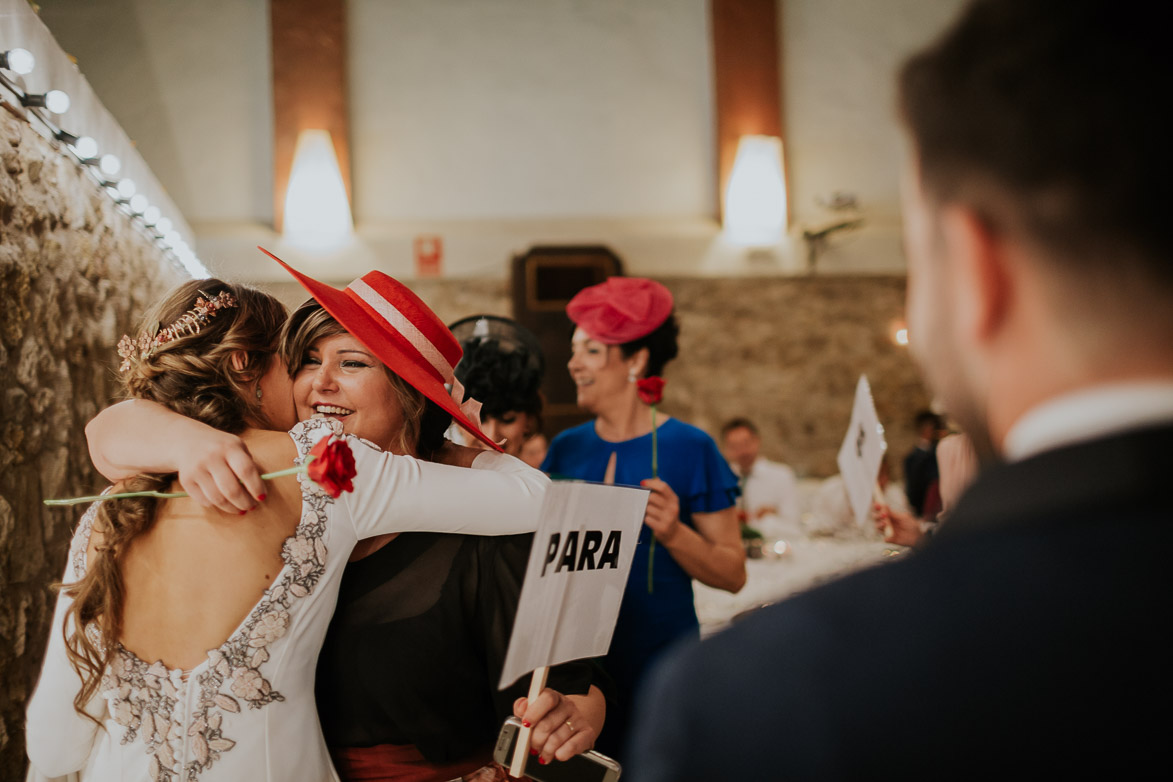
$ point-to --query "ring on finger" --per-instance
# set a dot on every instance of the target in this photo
(570, 725)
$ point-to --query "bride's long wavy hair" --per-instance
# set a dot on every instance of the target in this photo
(210, 376)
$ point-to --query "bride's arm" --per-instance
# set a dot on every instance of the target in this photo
(137, 436)
(58, 739)
(501, 496)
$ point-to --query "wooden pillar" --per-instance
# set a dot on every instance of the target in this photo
(747, 78)
(309, 85)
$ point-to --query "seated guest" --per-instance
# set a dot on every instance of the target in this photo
(920, 466)
(1028, 640)
(958, 464)
(768, 488)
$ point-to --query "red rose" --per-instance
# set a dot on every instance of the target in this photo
(650, 389)
(332, 466)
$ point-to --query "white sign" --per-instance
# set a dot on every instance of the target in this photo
(576, 575)
(861, 453)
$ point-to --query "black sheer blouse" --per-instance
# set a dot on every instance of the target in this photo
(415, 649)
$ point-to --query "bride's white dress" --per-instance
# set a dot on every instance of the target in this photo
(247, 711)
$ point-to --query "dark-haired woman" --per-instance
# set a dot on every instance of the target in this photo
(626, 331)
(502, 368)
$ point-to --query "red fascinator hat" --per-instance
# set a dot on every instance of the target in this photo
(404, 333)
(621, 309)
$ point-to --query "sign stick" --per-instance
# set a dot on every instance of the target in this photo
(521, 751)
(878, 496)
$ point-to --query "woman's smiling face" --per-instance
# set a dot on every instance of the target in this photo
(599, 370)
(341, 379)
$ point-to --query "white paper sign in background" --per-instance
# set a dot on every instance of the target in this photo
(576, 575)
(861, 453)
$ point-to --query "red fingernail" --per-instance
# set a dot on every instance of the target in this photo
(526, 725)
(533, 752)
(542, 761)
(262, 498)
(243, 512)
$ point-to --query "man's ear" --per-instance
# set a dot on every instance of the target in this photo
(981, 283)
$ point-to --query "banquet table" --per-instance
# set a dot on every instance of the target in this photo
(788, 566)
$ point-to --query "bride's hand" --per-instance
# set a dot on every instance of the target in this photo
(560, 729)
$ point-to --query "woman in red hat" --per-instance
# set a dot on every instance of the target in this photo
(626, 331)
(436, 607)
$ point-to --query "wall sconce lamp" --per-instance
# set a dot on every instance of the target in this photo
(317, 211)
(755, 200)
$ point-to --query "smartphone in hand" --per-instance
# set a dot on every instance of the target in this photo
(590, 766)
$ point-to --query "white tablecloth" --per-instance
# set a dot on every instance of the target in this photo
(807, 562)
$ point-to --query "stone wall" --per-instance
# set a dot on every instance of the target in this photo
(74, 276)
(786, 352)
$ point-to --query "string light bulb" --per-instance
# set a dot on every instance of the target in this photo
(139, 203)
(151, 215)
(127, 188)
(84, 146)
(19, 61)
(163, 226)
(110, 164)
(55, 101)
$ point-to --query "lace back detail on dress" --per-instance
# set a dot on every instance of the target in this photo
(146, 699)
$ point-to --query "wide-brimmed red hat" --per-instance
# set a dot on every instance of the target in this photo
(404, 333)
(621, 309)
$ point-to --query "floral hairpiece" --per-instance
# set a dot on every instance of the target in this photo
(189, 322)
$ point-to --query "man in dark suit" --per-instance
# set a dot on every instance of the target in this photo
(1028, 638)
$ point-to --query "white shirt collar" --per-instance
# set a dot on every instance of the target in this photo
(1088, 414)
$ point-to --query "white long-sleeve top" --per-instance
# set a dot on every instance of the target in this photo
(770, 484)
(247, 712)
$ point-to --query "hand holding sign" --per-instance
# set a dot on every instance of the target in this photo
(574, 582)
(861, 453)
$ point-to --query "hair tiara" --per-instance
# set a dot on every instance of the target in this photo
(189, 322)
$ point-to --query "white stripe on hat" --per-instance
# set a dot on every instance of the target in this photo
(400, 323)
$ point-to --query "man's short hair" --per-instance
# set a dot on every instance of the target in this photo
(739, 423)
(1042, 117)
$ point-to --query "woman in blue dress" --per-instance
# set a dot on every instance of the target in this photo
(626, 331)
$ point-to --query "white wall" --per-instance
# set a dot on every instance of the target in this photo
(503, 123)
(475, 109)
(189, 81)
(840, 59)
